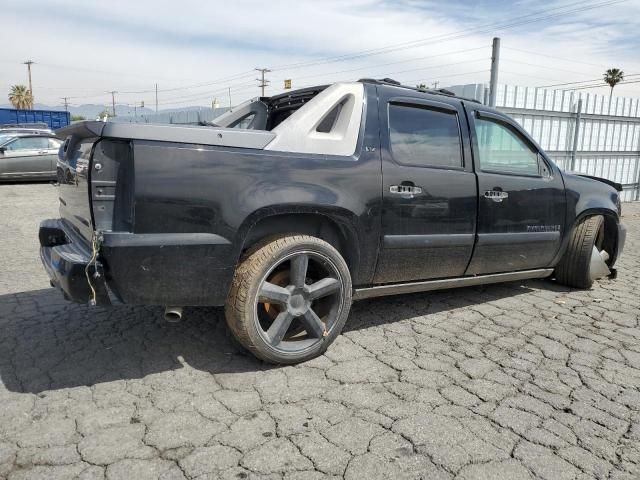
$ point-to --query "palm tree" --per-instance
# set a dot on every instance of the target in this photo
(20, 97)
(613, 76)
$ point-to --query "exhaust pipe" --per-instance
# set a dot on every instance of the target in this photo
(173, 314)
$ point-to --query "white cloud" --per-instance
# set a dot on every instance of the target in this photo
(129, 45)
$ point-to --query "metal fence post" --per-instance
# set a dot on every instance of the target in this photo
(576, 133)
(637, 185)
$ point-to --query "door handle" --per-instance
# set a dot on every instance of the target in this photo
(496, 195)
(407, 190)
(42, 152)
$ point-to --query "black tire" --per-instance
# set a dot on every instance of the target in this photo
(257, 310)
(574, 267)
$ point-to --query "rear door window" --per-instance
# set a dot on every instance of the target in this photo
(425, 137)
(28, 143)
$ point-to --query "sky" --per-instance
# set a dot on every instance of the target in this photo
(197, 50)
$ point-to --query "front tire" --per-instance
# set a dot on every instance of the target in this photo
(574, 267)
(289, 299)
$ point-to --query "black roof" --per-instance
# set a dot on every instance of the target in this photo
(394, 83)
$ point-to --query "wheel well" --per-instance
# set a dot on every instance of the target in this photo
(610, 225)
(335, 232)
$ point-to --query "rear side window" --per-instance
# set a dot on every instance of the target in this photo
(424, 137)
(244, 122)
(503, 150)
(29, 143)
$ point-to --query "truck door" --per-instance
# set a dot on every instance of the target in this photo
(429, 188)
(521, 204)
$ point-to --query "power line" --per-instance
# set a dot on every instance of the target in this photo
(584, 81)
(448, 76)
(486, 28)
(390, 63)
(510, 23)
(546, 67)
(520, 74)
(102, 72)
(555, 57)
(208, 95)
(199, 85)
(582, 87)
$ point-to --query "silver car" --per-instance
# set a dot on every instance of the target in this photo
(26, 156)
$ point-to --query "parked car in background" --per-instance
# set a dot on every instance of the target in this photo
(28, 156)
(35, 128)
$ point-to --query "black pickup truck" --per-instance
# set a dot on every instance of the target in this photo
(289, 207)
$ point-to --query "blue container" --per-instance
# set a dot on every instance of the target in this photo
(53, 118)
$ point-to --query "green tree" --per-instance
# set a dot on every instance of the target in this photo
(77, 118)
(421, 86)
(20, 97)
(104, 113)
(613, 76)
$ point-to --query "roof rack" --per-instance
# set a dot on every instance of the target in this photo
(439, 91)
(33, 126)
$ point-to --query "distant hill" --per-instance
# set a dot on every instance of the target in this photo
(91, 111)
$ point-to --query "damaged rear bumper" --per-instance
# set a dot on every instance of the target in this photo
(66, 257)
(138, 269)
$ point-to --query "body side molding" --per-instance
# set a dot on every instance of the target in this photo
(517, 238)
(421, 241)
(114, 239)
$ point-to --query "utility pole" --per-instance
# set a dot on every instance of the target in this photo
(156, 98)
(576, 133)
(229, 97)
(28, 63)
(113, 101)
(263, 82)
(495, 60)
(435, 85)
(66, 103)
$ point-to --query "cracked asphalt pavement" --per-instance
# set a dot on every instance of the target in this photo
(521, 380)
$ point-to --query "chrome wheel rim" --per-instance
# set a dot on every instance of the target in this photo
(299, 311)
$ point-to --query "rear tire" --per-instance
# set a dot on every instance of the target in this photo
(289, 298)
(574, 267)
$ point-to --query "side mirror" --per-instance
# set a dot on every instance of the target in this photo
(3, 149)
(544, 168)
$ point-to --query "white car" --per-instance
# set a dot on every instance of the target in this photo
(28, 156)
